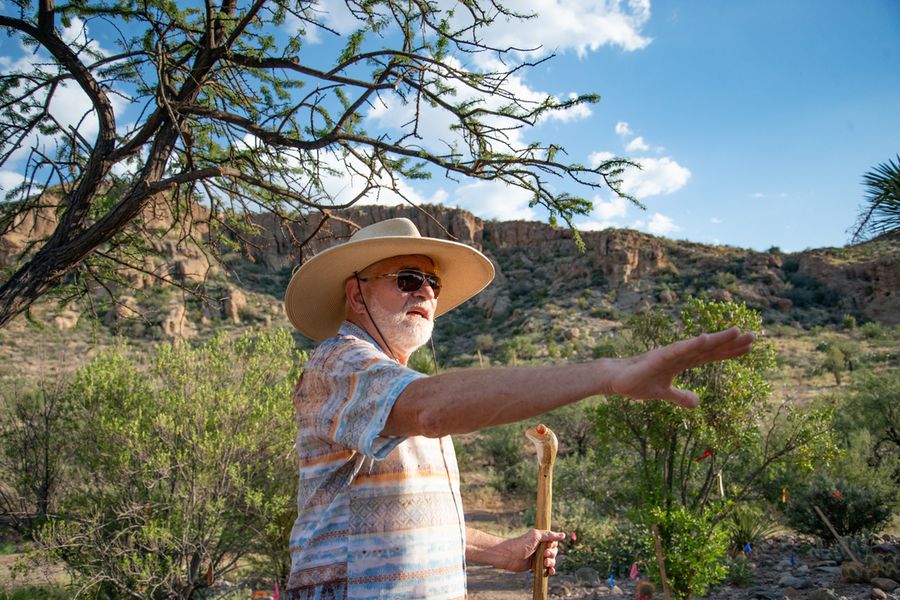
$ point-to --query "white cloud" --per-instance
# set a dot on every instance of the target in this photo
(494, 200)
(596, 158)
(559, 25)
(390, 113)
(657, 176)
(637, 145)
(715, 220)
(9, 180)
(757, 195)
(579, 25)
(659, 224)
(608, 210)
(623, 129)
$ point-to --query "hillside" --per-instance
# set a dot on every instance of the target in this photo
(549, 301)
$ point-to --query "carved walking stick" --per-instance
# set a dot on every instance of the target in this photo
(546, 444)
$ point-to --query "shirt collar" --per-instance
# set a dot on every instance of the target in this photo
(352, 329)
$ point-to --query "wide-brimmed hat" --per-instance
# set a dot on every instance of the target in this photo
(314, 300)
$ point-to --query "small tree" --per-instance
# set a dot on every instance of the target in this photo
(188, 467)
(37, 433)
(676, 456)
(231, 112)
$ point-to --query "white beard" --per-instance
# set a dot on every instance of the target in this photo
(404, 333)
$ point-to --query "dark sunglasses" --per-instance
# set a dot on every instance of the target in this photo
(409, 280)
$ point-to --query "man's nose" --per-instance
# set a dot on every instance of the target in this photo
(426, 291)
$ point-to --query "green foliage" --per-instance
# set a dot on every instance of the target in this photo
(872, 406)
(610, 548)
(422, 360)
(663, 441)
(244, 128)
(186, 464)
(503, 448)
(835, 361)
(872, 330)
(35, 593)
(848, 322)
(517, 348)
(36, 439)
(850, 507)
(747, 524)
(740, 571)
(880, 214)
(693, 546)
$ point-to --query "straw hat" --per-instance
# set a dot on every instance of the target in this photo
(314, 300)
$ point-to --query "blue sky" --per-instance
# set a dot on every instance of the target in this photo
(754, 120)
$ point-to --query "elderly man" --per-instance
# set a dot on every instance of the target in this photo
(379, 509)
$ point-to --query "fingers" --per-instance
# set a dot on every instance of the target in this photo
(549, 536)
(683, 398)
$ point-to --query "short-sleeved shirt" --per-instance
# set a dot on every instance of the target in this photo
(378, 517)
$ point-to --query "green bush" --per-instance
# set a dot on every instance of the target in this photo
(851, 508)
(872, 330)
(187, 465)
(35, 593)
(503, 448)
(740, 571)
(694, 548)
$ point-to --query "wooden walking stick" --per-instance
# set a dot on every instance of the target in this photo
(546, 444)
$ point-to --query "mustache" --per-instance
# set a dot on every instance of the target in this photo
(411, 304)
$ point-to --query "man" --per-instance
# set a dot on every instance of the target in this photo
(379, 510)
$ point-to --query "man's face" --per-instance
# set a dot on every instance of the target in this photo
(406, 319)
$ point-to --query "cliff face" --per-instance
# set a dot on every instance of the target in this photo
(633, 269)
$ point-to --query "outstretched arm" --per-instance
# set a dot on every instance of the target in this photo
(472, 399)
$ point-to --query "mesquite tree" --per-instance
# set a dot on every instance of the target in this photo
(226, 108)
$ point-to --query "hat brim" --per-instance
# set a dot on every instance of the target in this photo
(314, 300)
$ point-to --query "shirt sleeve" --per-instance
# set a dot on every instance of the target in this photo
(359, 386)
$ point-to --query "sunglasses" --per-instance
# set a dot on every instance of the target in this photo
(409, 280)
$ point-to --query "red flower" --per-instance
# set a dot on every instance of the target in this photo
(837, 495)
(573, 536)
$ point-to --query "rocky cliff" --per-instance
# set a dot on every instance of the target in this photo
(624, 269)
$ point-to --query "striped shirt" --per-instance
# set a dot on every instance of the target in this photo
(378, 517)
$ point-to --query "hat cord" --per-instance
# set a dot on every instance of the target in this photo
(381, 335)
(371, 318)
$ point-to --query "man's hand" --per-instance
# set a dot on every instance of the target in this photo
(520, 551)
(649, 376)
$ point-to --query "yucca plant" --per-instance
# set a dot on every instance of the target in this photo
(747, 525)
(880, 214)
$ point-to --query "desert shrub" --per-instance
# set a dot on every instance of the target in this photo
(872, 330)
(188, 466)
(606, 546)
(504, 449)
(422, 360)
(851, 508)
(37, 434)
(740, 571)
(35, 593)
(605, 348)
(694, 547)
(848, 322)
(872, 406)
(747, 524)
(517, 348)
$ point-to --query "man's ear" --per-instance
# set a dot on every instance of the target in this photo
(354, 296)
